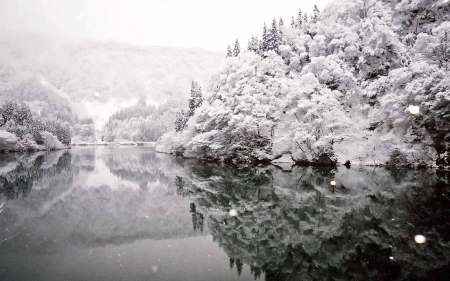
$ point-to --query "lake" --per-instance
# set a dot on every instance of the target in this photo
(129, 213)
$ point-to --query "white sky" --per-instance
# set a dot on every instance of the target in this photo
(209, 24)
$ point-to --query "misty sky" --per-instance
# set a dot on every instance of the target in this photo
(196, 23)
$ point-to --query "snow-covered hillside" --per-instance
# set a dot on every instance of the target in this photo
(98, 78)
(363, 81)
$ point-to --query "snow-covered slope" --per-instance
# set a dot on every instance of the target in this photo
(100, 77)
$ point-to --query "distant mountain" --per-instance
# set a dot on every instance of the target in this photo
(97, 78)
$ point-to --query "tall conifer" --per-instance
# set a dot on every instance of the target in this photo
(315, 16)
(305, 18)
(237, 48)
(229, 52)
(299, 22)
(264, 43)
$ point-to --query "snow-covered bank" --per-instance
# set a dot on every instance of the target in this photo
(130, 143)
(357, 84)
(11, 143)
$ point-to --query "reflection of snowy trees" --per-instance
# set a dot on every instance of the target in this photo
(142, 168)
(288, 226)
(67, 195)
(29, 170)
(197, 218)
(296, 225)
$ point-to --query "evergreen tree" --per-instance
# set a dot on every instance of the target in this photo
(293, 25)
(22, 114)
(7, 111)
(195, 102)
(19, 120)
(229, 52)
(36, 129)
(264, 42)
(180, 121)
(237, 48)
(280, 31)
(315, 16)
(305, 18)
(196, 99)
(256, 44)
(253, 44)
(299, 23)
(273, 38)
(63, 134)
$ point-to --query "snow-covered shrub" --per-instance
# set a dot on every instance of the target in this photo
(8, 141)
(51, 141)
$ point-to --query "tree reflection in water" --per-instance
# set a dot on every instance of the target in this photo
(27, 170)
(297, 226)
(289, 225)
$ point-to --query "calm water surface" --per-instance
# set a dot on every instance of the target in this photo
(128, 213)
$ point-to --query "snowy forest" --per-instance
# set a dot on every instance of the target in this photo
(361, 82)
(91, 86)
(141, 122)
(21, 130)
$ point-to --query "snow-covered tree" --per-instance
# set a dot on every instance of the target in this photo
(196, 99)
(280, 24)
(299, 22)
(7, 111)
(253, 45)
(264, 42)
(280, 31)
(315, 16)
(229, 52)
(19, 120)
(339, 89)
(139, 122)
(273, 37)
(305, 18)
(237, 48)
(181, 120)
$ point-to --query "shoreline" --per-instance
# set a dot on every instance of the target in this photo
(296, 164)
(140, 143)
(29, 150)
